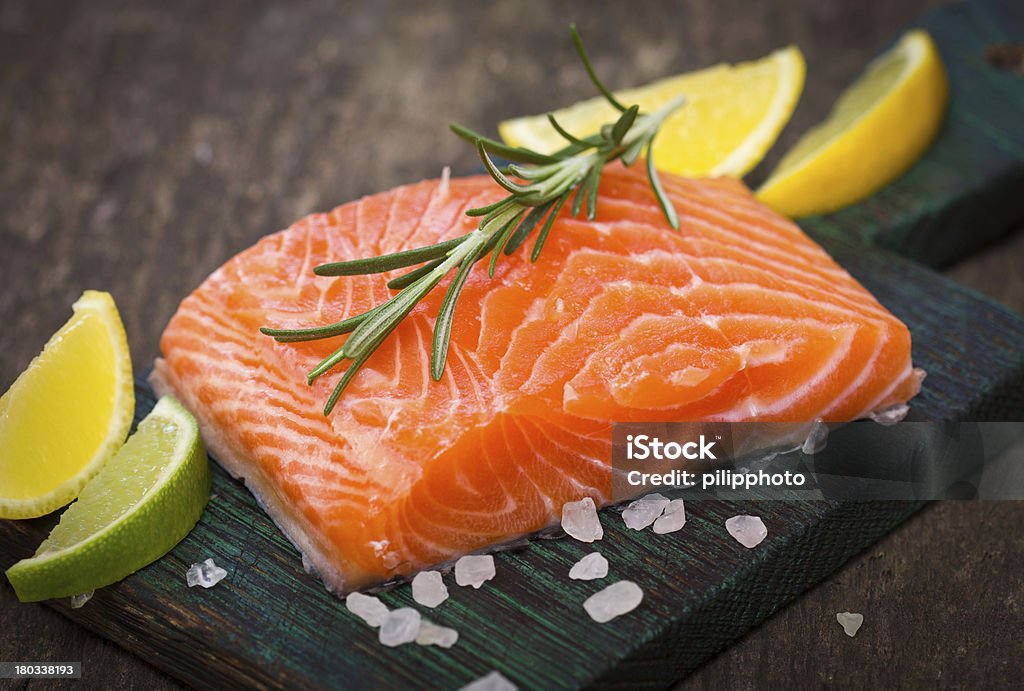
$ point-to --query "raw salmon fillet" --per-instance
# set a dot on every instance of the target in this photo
(738, 316)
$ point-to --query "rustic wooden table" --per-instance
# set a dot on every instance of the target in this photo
(143, 145)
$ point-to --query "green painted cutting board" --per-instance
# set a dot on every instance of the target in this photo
(269, 623)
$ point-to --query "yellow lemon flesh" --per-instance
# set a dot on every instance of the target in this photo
(878, 128)
(68, 413)
(732, 115)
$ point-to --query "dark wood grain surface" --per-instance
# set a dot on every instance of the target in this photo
(142, 145)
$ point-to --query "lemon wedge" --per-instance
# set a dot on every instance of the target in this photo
(878, 128)
(732, 115)
(68, 413)
(137, 508)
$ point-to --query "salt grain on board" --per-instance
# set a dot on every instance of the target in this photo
(850, 621)
(400, 626)
(890, 416)
(816, 439)
(615, 600)
(428, 588)
(644, 511)
(206, 574)
(580, 521)
(490, 682)
(367, 607)
(673, 519)
(589, 568)
(432, 634)
(80, 599)
(749, 531)
(474, 569)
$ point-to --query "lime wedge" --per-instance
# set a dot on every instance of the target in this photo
(140, 505)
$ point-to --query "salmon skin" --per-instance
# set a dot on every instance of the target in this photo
(738, 316)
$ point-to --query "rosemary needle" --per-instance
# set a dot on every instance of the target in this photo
(538, 186)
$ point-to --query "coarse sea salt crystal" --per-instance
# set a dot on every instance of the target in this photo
(368, 608)
(673, 519)
(580, 521)
(206, 574)
(816, 439)
(474, 569)
(890, 416)
(613, 601)
(432, 634)
(490, 682)
(589, 568)
(428, 588)
(850, 621)
(400, 626)
(80, 599)
(749, 531)
(644, 511)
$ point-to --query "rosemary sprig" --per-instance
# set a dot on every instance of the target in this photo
(538, 186)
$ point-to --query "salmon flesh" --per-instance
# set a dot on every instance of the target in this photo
(738, 316)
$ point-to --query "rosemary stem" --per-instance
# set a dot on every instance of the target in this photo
(646, 125)
(538, 186)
